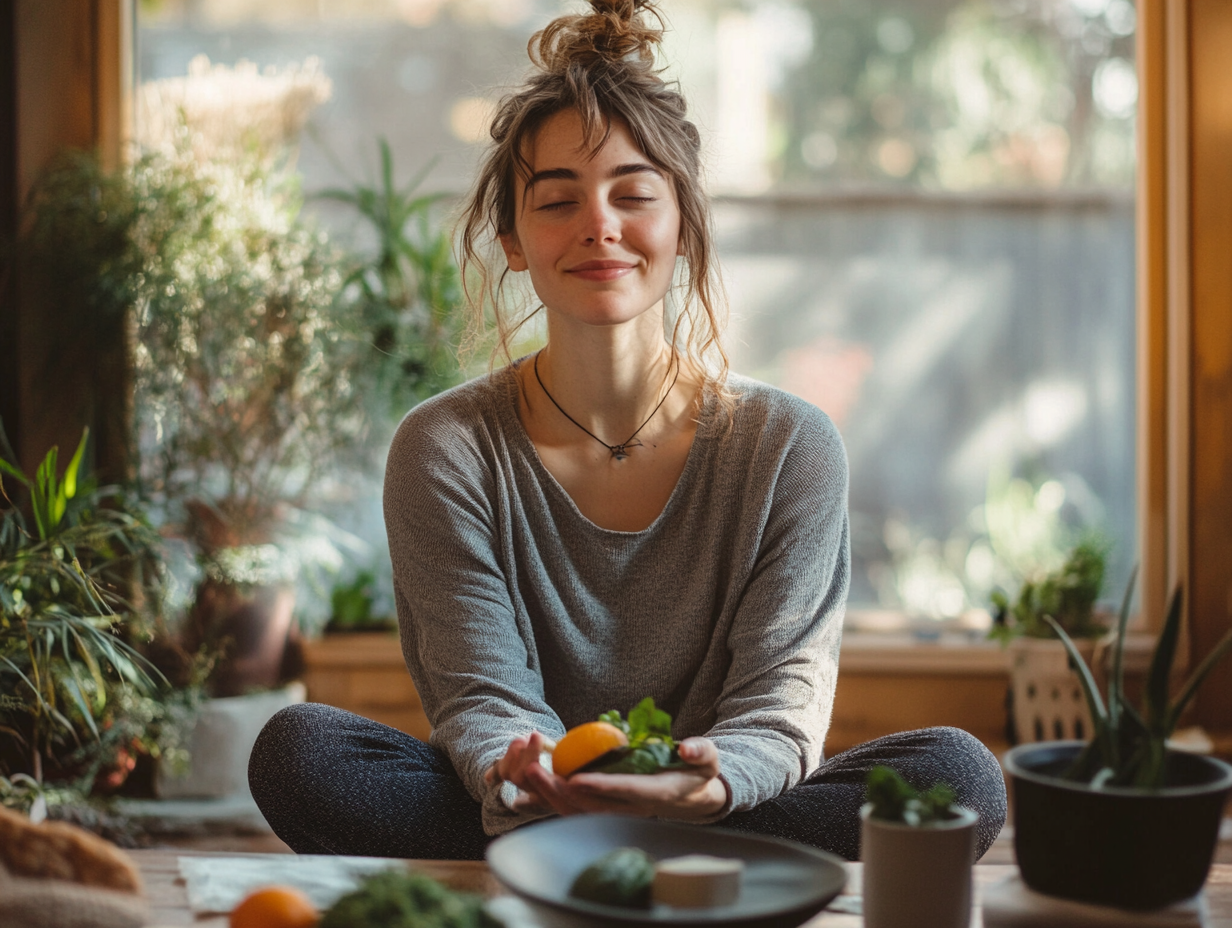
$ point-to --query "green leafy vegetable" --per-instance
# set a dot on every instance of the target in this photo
(407, 900)
(894, 799)
(621, 877)
(651, 747)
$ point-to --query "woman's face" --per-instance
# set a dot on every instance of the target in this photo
(598, 231)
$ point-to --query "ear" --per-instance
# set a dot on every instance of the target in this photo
(513, 251)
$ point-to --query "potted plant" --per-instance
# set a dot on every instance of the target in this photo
(1121, 820)
(918, 850)
(80, 703)
(351, 607)
(1045, 698)
(408, 293)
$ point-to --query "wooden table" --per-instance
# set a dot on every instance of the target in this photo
(169, 899)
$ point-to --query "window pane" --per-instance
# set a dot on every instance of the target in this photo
(926, 226)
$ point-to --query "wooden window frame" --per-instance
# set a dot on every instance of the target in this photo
(1184, 215)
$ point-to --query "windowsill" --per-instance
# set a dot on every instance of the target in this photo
(954, 653)
(904, 652)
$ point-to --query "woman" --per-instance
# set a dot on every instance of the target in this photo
(610, 518)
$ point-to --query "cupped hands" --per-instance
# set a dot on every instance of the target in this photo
(693, 792)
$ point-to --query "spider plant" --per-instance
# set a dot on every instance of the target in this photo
(1128, 746)
(409, 292)
(63, 660)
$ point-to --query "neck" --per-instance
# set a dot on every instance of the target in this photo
(608, 378)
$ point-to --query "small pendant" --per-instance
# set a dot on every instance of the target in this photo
(618, 452)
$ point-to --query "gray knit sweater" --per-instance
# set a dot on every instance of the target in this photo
(519, 613)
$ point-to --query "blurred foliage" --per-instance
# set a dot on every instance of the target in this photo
(351, 606)
(248, 375)
(962, 95)
(409, 292)
(1067, 595)
(79, 593)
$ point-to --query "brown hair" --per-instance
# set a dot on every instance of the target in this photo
(601, 65)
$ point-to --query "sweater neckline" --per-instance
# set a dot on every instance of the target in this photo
(508, 405)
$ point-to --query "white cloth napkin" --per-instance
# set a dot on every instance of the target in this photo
(217, 884)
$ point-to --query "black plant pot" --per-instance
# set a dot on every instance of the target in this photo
(1131, 848)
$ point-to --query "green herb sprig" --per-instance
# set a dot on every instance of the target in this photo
(651, 747)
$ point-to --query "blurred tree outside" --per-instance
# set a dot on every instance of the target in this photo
(961, 95)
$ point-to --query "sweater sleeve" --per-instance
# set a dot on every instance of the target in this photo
(462, 638)
(777, 698)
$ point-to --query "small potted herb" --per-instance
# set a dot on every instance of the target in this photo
(1045, 696)
(1121, 820)
(351, 607)
(917, 849)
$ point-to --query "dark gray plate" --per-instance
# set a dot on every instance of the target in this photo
(783, 885)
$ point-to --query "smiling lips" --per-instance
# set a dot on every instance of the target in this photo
(600, 270)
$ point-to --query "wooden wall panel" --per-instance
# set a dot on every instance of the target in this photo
(1211, 370)
(73, 76)
(869, 705)
(8, 218)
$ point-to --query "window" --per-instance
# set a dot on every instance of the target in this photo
(926, 223)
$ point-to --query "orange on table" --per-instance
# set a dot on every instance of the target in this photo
(583, 744)
(275, 907)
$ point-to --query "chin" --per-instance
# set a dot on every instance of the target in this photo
(605, 312)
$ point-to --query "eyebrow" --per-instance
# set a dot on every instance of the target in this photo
(621, 170)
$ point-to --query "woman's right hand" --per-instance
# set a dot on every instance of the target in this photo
(522, 754)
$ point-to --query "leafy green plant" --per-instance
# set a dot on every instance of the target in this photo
(351, 606)
(410, 294)
(66, 669)
(1066, 596)
(1128, 747)
(393, 899)
(893, 799)
(249, 378)
(651, 747)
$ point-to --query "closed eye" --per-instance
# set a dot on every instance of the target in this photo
(639, 199)
(559, 204)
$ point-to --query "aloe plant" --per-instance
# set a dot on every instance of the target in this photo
(1128, 746)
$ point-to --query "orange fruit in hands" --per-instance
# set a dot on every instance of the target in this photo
(275, 907)
(583, 744)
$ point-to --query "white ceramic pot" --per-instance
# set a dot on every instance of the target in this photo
(918, 876)
(221, 740)
(1048, 700)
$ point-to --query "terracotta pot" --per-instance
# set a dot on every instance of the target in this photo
(251, 625)
(918, 875)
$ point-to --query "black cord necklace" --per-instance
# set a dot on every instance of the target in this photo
(621, 451)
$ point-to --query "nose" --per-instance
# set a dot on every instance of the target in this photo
(600, 223)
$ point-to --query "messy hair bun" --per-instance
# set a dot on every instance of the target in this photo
(614, 31)
(600, 65)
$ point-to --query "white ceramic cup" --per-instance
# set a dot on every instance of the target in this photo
(918, 877)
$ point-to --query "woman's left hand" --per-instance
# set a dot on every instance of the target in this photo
(694, 792)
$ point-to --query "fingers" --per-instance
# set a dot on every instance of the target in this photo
(700, 754)
(678, 793)
(556, 792)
